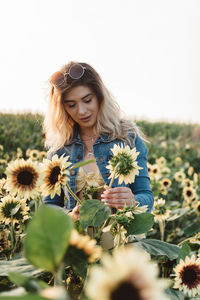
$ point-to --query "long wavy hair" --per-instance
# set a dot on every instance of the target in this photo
(58, 126)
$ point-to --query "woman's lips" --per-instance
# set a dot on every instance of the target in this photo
(85, 119)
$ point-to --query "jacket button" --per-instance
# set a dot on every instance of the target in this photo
(100, 158)
(73, 172)
(79, 156)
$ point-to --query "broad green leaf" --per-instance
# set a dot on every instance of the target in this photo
(77, 260)
(47, 238)
(29, 283)
(140, 224)
(184, 251)
(157, 248)
(93, 213)
(174, 294)
(192, 229)
(20, 265)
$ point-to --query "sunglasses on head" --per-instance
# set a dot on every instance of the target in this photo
(76, 71)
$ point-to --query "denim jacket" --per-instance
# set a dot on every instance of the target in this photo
(102, 152)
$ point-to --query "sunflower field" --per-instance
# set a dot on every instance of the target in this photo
(44, 254)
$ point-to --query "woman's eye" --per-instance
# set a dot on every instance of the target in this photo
(71, 105)
(89, 100)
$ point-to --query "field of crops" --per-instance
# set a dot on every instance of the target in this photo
(45, 255)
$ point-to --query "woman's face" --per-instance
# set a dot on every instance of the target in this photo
(82, 106)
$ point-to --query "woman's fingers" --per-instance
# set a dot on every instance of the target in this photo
(118, 197)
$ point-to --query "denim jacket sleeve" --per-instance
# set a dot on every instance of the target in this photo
(141, 186)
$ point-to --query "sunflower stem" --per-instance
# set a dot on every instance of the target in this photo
(12, 235)
(113, 175)
(58, 276)
(72, 193)
(162, 229)
(35, 205)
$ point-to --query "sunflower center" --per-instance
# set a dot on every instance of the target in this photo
(166, 183)
(190, 276)
(125, 163)
(25, 177)
(125, 290)
(54, 175)
(189, 193)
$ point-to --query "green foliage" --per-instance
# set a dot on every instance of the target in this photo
(159, 248)
(29, 283)
(25, 130)
(93, 213)
(25, 297)
(184, 251)
(140, 224)
(47, 238)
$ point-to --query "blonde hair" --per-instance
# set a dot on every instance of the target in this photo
(58, 125)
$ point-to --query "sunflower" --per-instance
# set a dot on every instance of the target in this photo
(197, 208)
(195, 177)
(161, 161)
(190, 171)
(161, 213)
(19, 152)
(127, 274)
(42, 154)
(165, 183)
(139, 209)
(188, 276)
(85, 244)
(187, 183)
(7, 204)
(55, 174)
(34, 154)
(179, 176)
(189, 194)
(2, 186)
(178, 161)
(155, 172)
(23, 178)
(123, 164)
(149, 167)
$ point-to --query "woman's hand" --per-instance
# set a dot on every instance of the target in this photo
(74, 214)
(118, 197)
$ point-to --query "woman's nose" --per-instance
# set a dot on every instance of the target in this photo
(81, 109)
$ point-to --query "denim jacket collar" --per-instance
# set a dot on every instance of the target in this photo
(77, 139)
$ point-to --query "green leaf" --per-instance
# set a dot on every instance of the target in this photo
(157, 248)
(29, 283)
(192, 229)
(93, 213)
(47, 238)
(25, 297)
(77, 260)
(174, 294)
(140, 224)
(184, 251)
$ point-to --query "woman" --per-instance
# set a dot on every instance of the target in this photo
(83, 121)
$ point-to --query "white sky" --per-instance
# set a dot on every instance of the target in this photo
(146, 51)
